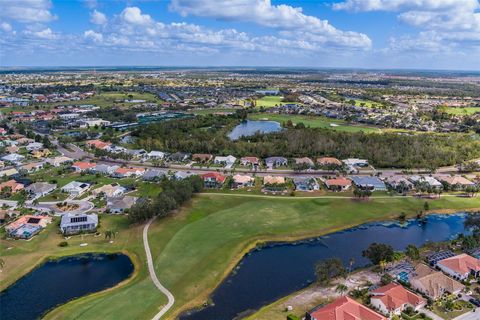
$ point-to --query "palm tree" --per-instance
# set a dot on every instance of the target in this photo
(351, 262)
(341, 289)
(109, 234)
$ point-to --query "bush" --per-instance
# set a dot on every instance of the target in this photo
(292, 317)
(63, 244)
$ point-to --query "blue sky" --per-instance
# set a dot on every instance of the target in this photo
(422, 34)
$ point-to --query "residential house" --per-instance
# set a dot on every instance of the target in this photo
(202, 157)
(180, 175)
(154, 174)
(12, 149)
(427, 181)
(73, 223)
(213, 179)
(399, 183)
(58, 161)
(338, 184)
(433, 283)
(13, 185)
(113, 190)
(13, 158)
(136, 153)
(40, 189)
(343, 308)
(250, 161)
(228, 161)
(41, 153)
(81, 166)
(24, 141)
(8, 172)
(273, 162)
(120, 204)
(97, 144)
(27, 226)
(329, 162)
(369, 183)
(455, 182)
(353, 164)
(179, 157)
(393, 298)
(129, 172)
(460, 266)
(271, 180)
(156, 155)
(32, 167)
(305, 162)
(105, 169)
(306, 184)
(76, 188)
(34, 146)
(241, 181)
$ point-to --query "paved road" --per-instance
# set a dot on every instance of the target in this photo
(431, 314)
(74, 152)
(153, 275)
(84, 206)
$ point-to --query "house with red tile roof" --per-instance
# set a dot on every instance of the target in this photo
(81, 166)
(460, 267)
(338, 184)
(129, 172)
(13, 185)
(394, 298)
(98, 144)
(213, 179)
(344, 308)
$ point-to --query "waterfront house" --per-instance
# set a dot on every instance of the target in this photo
(460, 266)
(455, 182)
(369, 183)
(433, 283)
(73, 223)
(393, 298)
(427, 181)
(40, 189)
(75, 188)
(343, 308)
(27, 226)
(306, 184)
(213, 179)
(399, 183)
(241, 181)
(338, 184)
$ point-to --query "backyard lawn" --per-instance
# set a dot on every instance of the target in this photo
(195, 249)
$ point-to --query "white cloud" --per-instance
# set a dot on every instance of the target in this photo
(46, 33)
(401, 5)
(133, 15)
(96, 17)
(93, 36)
(26, 10)
(283, 17)
(6, 27)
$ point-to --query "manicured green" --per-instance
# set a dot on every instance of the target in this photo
(196, 248)
(460, 111)
(315, 122)
(271, 101)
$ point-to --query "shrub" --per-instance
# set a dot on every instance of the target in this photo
(63, 244)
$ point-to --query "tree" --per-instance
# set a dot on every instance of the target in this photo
(377, 252)
(386, 279)
(341, 289)
(328, 269)
(426, 206)
(412, 252)
(109, 234)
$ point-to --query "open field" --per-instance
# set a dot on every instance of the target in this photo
(315, 122)
(271, 101)
(222, 229)
(367, 103)
(460, 111)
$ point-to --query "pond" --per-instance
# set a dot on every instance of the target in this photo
(58, 281)
(250, 127)
(276, 270)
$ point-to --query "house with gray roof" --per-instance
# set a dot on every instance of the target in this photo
(105, 169)
(118, 205)
(369, 183)
(154, 174)
(273, 162)
(73, 223)
(40, 189)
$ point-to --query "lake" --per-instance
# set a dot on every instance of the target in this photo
(58, 281)
(250, 127)
(276, 270)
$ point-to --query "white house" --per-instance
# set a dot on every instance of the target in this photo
(78, 222)
(229, 161)
(393, 298)
(34, 146)
(13, 158)
(156, 155)
(460, 266)
(76, 188)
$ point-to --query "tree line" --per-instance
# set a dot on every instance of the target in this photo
(208, 134)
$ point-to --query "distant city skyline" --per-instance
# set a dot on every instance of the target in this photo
(364, 34)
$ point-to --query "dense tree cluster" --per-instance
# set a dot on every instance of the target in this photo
(208, 135)
(174, 194)
(55, 89)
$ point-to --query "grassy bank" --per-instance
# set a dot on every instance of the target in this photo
(196, 249)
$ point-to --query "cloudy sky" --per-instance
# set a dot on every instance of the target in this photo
(426, 34)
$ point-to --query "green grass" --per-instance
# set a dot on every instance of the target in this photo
(271, 101)
(315, 122)
(197, 247)
(367, 103)
(449, 315)
(460, 111)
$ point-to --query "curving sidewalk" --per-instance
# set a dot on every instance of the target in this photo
(153, 276)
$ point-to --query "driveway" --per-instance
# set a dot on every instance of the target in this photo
(470, 315)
